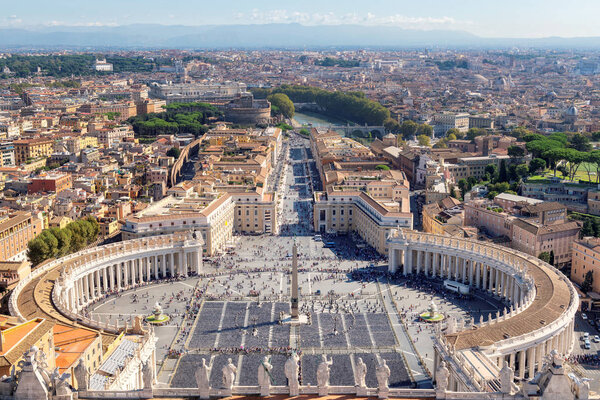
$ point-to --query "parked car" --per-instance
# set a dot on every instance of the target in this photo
(587, 344)
(596, 339)
(584, 316)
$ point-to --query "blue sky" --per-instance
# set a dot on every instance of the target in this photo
(491, 18)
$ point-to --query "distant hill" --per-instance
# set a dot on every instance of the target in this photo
(287, 36)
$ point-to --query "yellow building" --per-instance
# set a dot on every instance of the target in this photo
(31, 149)
(443, 217)
(353, 211)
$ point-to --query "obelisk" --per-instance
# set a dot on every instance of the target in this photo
(295, 282)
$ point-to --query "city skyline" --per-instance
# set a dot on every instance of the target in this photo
(511, 19)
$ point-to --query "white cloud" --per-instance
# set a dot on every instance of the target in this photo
(257, 16)
(96, 23)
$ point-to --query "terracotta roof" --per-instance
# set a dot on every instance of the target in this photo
(537, 229)
(70, 343)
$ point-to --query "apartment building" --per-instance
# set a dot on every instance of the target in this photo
(444, 217)
(445, 121)
(50, 183)
(16, 230)
(32, 149)
(547, 230)
(586, 258)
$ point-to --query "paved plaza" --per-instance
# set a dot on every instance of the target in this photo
(354, 307)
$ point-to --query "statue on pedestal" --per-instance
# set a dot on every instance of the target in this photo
(361, 373)
(229, 370)
(291, 373)
(441, 377)
(382, 372)
(203, 379)
(323, 375)
(81, 375)
(507, 377)
(148, 374)
(264, 377)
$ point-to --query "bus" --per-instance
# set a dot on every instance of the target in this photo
(456, 286)
(328, 244)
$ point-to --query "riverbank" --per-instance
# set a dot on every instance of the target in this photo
(306, 118)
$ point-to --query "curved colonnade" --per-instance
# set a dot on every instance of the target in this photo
(88, 275)
(539, 318)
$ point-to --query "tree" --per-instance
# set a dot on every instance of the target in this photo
(544, 256)
(37, 251)
(491, 169)
(587, 229)
(551, 262)
(424, 140)
(537, 164)
(283, 104)
(519, 132)
(538, 147)
(464, 187)
(521, 170)
(474, 132)
(391, 125)
(457, 134)
(441, 144)
(451, 136)
(515, 151)
(580, 142)
(382, 167)
(574, 159)
(588, 282)
(503, 172)
(425, 129)
(408, 129)
(174, 152)
(594, 157)
(492, 195)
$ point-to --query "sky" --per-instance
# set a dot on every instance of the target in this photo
(487, 18)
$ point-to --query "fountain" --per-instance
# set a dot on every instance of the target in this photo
(157, 317)
(432, 314)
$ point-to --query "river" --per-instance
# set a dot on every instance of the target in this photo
(305, 118)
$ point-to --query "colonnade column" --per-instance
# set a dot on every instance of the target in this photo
(531, 361)
(522, 364)
(118, 271)
(172, 264)
(105, 280)
(140, 269)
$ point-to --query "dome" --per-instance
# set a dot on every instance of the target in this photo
(389, 136)
(480, 79)
(552, 94)
(500, 81)
(572, 111)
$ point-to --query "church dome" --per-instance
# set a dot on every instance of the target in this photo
(572, 111)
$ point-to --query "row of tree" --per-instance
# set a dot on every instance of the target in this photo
(408, 129)
(281, 105)
(566, 154)
(24, 66)
(337, 62)
(351, 106)
(179, 118)
(56, 242)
